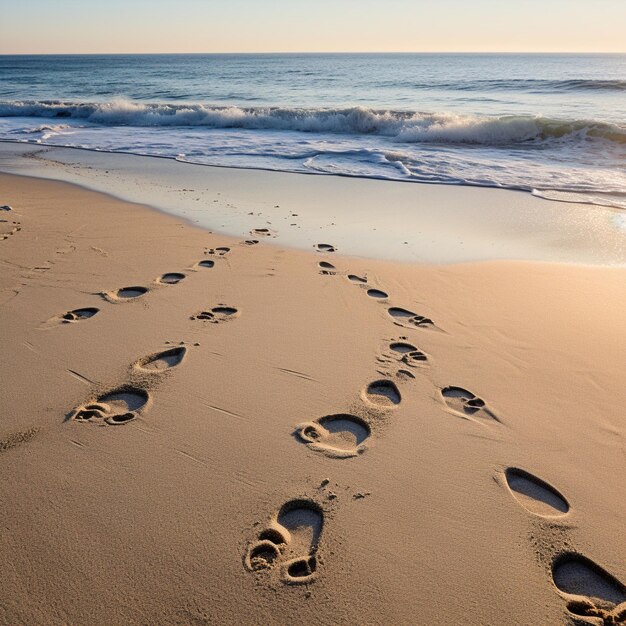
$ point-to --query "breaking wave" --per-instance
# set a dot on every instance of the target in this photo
(401, 126)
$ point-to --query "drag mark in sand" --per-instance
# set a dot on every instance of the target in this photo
(590, 590)
(17, 439)
(289, 543)
(338, 436)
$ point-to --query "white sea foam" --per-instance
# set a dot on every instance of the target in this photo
(402, 126)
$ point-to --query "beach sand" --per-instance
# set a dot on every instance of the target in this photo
(243, 436)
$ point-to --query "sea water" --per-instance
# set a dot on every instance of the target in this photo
(553, 125)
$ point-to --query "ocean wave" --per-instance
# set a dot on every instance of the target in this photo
(401, 126)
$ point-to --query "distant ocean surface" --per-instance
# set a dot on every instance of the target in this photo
(554, 125)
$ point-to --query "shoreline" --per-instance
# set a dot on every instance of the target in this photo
(445, 223)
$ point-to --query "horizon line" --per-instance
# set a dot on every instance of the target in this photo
(310, 52)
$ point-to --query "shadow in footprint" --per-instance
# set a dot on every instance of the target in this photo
(359, 280)
(116, 407)
(327, 268)
(338, 436)
(220, 313)
(325, 247)
(464, 403)
(207, 263)
(219, 251)
(382, 394)
(534, 494)
(161, 361)
(171, 278)
(377, 293)
(78, 315)
(590, 590)
(408, 319)
(408, 353)
(291, 539)
(125, 294)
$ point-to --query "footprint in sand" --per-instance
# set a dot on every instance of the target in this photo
(377, 293)
(161, 361)
(262, 232)
(325, 247)
(125, 294)
(77, 315)
(408, 319)
(171, 278)
(408, 353)
(465, 404)
(117, 407)
(359, 280)
(206, 264)
(534, 494)
(220, 251)
(326, 268)
(219, 313)
(8, 228)
(383, 394)
(250, 242)
(591, 591)
(338, 436)
(289, 543)
(5, 207)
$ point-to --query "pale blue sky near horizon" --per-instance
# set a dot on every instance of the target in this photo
(149, 26)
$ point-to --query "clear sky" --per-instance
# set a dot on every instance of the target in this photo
(84, 26)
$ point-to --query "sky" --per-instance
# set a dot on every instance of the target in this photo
(144, 26)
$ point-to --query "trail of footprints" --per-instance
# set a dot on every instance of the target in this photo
(589, 591)
(287, 546)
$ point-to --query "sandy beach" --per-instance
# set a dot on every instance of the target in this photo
(206, 429)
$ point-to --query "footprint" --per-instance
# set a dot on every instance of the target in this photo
(160, 361)
(116, 407)
(339, 436)
(290, 540)
(466, 404)
(382, 394)
(534, 494)
(408, 319)
(220, 313)
(171, 278)
(125, 294)
(220, 251)
(261, 232)
(5, 207)
(590, 590)
(361, 280)
(409, 354)
(207, 263)
(78, 315)
(376, 293)
(250, 242)
(325, 247)
(327, 268)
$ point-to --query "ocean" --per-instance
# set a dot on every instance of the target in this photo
(553, 125)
